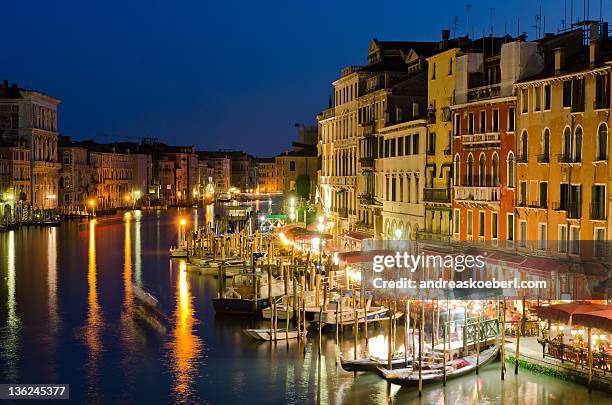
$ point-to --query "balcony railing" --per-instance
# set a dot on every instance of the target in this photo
(538, 204)
(436, 195)
(366, 162)
(481, 138)
(598, 211)
(367, 198)
(466, 193)
(544, 158)
(483, 92)
(559, 206)
(566, 158)
(368, 127)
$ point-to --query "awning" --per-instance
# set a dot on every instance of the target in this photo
(356, 235)
(359, 256)
(601, 319)
(563, 312)
(506, 258)
(542, 266)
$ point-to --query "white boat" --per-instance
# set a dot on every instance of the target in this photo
(268, 334)
(346, 317)
(284, 306)
(178, 252)
(232, 267)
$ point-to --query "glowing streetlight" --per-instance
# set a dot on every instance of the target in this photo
(398, 234)
(320, 227)
(183, 222)
(127, 216)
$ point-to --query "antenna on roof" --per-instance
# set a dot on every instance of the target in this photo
(455, 25)
(469, 26)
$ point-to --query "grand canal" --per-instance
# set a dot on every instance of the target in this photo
(66, 316)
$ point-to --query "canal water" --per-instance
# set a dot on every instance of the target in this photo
(67, 316)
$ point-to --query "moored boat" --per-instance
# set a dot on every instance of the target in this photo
(268, 334)
(454, 369)
(247, 294)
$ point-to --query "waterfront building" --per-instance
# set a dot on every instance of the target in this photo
(222, 169)
(32, 116)
(299, 164)
(484, 157)
(563, 146)
(400, 178)
(112, 176)
(185, 171)
(15, 181)
(165, 181)
(266, 175)
(366, 98)
(243, 171)
(76, 185)
(142, 175)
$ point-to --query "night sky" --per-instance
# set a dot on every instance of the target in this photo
(223, 74)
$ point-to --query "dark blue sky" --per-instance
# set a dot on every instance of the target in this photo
(222, 74)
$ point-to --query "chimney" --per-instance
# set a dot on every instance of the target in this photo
(593, 53)
(445, 37)
(559, 59)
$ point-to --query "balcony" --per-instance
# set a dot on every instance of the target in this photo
(440, 195)
(367, 198)
(544, 158)
(598, 211)
(566, 158)
(482, 194)
(326, 114)
(538, 204)
(367, 163)
(559, 206)
(430, 235)
(483, 92)
(368, 128)
(484, 139)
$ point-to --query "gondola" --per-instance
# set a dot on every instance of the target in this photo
(454, 369)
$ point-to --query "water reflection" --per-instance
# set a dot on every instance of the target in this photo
(185, 346)
(137, 252)
(10, 332)
(54, 320)
(94, 325)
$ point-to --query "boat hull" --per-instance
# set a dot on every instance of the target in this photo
(238, 306)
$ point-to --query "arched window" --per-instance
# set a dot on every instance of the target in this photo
(456, 169)
(578, 144)
(602, 142)
(567, 143)
(544, 158)
(523, 157)
(482, 170)
(511, 168)
(470, 171)
(495, 170)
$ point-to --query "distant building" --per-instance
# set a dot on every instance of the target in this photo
(76, 185)
(222, 169)
(32, 116)
(293, 164)
(267, 175)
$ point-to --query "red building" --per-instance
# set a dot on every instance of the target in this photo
(483, 170)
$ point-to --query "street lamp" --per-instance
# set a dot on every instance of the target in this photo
(92, 204)
(398, 234)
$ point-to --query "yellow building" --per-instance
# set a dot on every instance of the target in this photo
(563, 156)
(437, 192)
